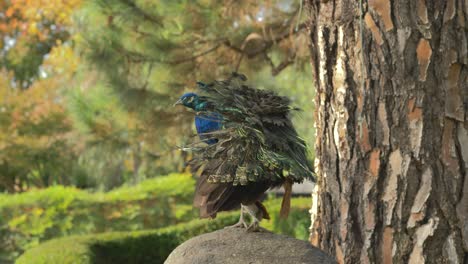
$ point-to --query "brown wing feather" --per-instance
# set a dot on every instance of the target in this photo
(209, 197)
(262, 208)
(212, 198)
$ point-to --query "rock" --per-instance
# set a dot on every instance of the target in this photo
(235, 245)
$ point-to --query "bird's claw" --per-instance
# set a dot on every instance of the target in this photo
(255, 227)
(240, 224)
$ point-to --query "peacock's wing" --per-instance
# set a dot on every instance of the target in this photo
(258, 142)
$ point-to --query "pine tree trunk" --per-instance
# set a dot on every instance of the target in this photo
(392, 130)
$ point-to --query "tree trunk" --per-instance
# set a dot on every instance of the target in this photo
(392, 130)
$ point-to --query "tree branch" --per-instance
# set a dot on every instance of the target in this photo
(228, 44)
(239, 62)
(268, 44)
(136, 57)
(195, 56)
(275, 70)
(143, 13)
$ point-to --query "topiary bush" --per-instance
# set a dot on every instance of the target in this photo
(155, 245)
(29, 218)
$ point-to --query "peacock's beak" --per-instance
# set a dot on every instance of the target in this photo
(179, 102)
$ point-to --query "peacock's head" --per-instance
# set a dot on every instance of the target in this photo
(190, 100)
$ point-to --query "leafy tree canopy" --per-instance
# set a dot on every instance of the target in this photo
(87, 89)
(148, 52)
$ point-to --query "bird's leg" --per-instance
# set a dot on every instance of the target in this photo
(257, 216)
(241, 222)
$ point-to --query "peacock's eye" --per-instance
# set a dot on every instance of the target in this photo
(190, 99)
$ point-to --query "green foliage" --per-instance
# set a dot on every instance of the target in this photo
(35, 131)
(154, 246)
(147, 53)
(28, 35)
(85, 101)
(298, 222)
(86, 91)
(123, 247)
(117, 148)
(28, 218)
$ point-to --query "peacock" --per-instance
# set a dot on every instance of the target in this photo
(248, 145)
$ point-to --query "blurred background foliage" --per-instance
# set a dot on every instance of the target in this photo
(26, 219)
(87, 88)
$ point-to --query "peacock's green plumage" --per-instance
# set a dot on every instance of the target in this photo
(258, 141)
(250, 145)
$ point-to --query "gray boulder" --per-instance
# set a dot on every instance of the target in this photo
(235, 246)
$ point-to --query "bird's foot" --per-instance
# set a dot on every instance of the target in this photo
(255, 227)
(240, 224)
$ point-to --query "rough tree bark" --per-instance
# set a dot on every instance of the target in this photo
(392, 130)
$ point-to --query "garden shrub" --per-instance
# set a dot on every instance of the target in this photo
(29, 218)
(155, 245)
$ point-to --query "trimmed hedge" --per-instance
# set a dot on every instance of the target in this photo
(119, 247)
(155, 245)
(29, 218)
